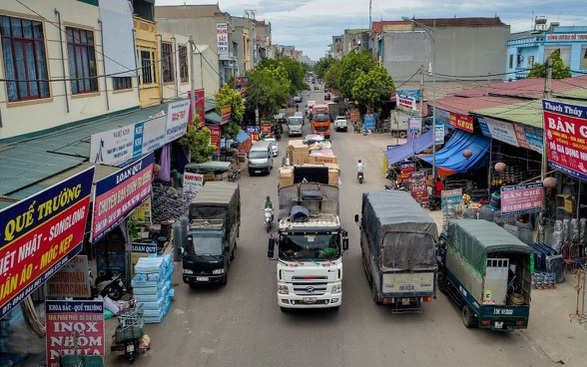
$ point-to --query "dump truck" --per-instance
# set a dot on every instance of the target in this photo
(488, 273)
(310, 242)
(398, 245)
(210, 242)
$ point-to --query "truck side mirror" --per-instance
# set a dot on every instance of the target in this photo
(181, 251)
(357, 218)
(345, 244)
(271, 247)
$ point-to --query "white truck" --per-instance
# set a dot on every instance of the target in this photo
(310, 243)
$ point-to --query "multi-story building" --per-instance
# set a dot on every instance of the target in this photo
(466, 47)
(524, 49)
(355, 40)
(244, 42)
(336, 47)
(147, 44)
(263, 48)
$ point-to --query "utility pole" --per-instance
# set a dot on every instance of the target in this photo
(193, 82)
(370, 18)
(544, 166)
(421, 112)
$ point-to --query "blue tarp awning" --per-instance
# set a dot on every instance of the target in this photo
(450, 160)
(242, 136)
(405, 151)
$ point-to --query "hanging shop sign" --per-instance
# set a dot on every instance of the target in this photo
(253, 132)
(414, 127)
(215, 135)
(498, 130)
(222, 39)
(177, 120)
(409, 93)
(409, 104)
(226, 112)
(418, 186)
(566, 137)
(40, 234)
(521, 199)
(355, 115)
(451, 198)
(461, 122)
(369, 122)
(266, 128)
(192, 182)
(73, 280)
(74, 327)
(528, 137)
(405, 169)
(117, 195)
(199, 100)
(439, 134)
(119, 146)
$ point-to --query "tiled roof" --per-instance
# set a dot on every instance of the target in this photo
(461, 22)
(378, 26)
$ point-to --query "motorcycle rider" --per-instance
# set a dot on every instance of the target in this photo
(360, 168)
(268, 203)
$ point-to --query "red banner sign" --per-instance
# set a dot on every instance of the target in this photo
(266, 129)
(39, 235)
(566, 137)
(226, 113)
(461, 122)
(200, 106)
(214, 135)
(419, 186)
(355, 115)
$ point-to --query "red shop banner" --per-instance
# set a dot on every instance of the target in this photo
(266, 129)
(419, 186)
(215, 135)
(200, 106)
(566, 137)
(461, 122)
(41, 234)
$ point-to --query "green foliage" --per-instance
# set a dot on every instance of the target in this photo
(332, 75)
(559, 70)
(353, 65)
(323, 65)
(198, 142)
(295, 73)
(229, 97)
(373, 88)
(267, 89)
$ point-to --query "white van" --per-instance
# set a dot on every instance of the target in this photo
(260, 158)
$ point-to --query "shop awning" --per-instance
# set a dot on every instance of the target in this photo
(450, 160)
(214, 118)
(405, 151)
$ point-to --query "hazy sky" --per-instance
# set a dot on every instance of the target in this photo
(310, 24)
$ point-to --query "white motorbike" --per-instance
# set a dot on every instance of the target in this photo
(268, 219)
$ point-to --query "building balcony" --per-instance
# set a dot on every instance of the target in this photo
(229, 57)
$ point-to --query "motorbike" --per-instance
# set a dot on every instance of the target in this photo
(360, 177)
(434, 202)
(234, 175)
(268, 218)
(109, 285)
(129, 333)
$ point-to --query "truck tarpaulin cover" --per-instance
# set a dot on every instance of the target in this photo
(450, 160)
(476, 238)
(299, 214)
(311, 174)
(396, 212)
(215, 199)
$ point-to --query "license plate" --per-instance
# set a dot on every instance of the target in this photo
(202, 279)
(405, 301)
(257, 171)
(130, 348)
(309, 299)
(498, 324)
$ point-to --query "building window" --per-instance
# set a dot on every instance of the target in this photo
(583, 64)
(511, 61)
(147, 67)
(530, 61)
(565, 52)
(119, 83)
(82, 60)
(183, 64)
(25, 61)
(235, 49)
(167, 62)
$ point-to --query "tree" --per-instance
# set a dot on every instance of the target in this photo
(559, 70)
(332, 75)
(353, 65)
(229, 97)
(267, 89)
(323, 65)
(197, 142)
(373, 88)
(295, 73)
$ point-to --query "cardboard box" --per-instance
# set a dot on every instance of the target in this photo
(333, 175)
(286, 176)
(565, 201)
(316, 158)
(298, 155)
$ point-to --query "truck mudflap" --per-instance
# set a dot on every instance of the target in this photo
(499, 318)
(408, 302)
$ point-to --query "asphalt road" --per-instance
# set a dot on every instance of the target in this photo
(240, 324)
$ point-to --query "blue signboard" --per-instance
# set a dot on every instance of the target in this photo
(369, 122)
(409, 93)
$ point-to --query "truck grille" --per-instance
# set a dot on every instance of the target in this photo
(309, 288)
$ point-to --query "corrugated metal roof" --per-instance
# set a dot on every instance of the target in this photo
(465, 106)
(27, 162)
(461, 22)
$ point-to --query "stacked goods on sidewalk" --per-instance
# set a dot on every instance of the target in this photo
(152, 286)
(319, 154)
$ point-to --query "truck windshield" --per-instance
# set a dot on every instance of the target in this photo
(204, 245)
(408, 251)
(323, 117)
(309, 246)
(295, 121)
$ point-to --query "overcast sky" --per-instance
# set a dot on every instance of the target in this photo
(310, 24)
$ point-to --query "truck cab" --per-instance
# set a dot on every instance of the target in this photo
(207, 253)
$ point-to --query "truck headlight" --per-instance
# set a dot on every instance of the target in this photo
(218, 271)
(282, 289)
(336, 288)
(188, 271)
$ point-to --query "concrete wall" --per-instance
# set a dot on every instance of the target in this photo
(206, 70)
(25, 117)
(405, 52)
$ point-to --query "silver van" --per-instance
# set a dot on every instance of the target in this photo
(260, 158)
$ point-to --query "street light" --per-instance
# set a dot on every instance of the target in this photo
(429, 31)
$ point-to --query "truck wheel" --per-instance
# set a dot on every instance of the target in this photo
(403, 134)
(375, 294)
(468, 317)
(441, 283)
(225, 280)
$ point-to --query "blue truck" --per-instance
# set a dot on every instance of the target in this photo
(488, 272)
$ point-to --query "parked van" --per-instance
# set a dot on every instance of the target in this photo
(260, 158)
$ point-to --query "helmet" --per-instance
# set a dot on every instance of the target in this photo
(267, 198)
(359, 161)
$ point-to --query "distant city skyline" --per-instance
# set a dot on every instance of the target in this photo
(310, 24)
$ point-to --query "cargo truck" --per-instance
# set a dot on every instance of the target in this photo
(488, 273)
(310, 242)
(210, 242)
(398, 245)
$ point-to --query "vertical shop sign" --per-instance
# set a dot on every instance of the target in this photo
(414, 127)
(226, 113)
(369, 122)
(192, 182)
(72, 280)
(439, 134)
(177, 120)
(222, 39)
(214, 135)
(40, 234)
(199, 100)
(566, 137)
(418, 186)
(72, 324)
